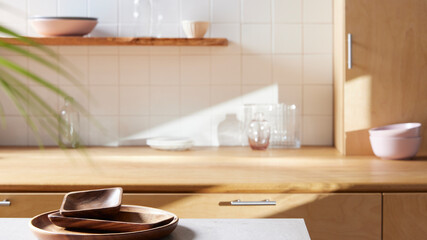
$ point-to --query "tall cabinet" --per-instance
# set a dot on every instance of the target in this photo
(380, 69)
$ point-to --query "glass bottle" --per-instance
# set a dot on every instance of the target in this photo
(69, 124)
(229, 131)
(259, 132)
(142, 15)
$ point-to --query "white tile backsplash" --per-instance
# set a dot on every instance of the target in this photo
(197, 10)
(77, 66)
(42, 8)
(39, 135)
(164, 70)
(104, 100)
(256, 69)
(103, 70)
(166, 11)
(287, 11)
(318, 69)
(278, 51)
(194, 99)
(226, 69)
(287, 38)
(287, 69)
(104, 10)
(226, 99)
(134, 70)
(77, 8)
(15, 132)
(134, 100)
(318, 100)
(165, 100)
(107, 133)
(317, 38)
(256, 38)
(226, 11)
(256, 11)
(134, 130)
(46, 95)
(195, 70)
(13, 12)
(317, 11)
(317, 130)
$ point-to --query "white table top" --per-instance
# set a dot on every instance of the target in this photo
(195, 229)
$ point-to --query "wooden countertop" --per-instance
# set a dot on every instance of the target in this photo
(207, 170)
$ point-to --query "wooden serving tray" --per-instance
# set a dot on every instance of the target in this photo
(126, 220)
(44, 229)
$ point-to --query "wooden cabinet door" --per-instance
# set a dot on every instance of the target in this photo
(387, 82)
(29, 204)
(405, 216)
(327, 216)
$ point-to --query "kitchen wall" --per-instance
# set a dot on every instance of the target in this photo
(279, 51)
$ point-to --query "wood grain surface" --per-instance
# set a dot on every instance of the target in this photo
(405, 216)
(206, 170)
(92, 203)
(327, 216)
(130, 218)
(124, 41)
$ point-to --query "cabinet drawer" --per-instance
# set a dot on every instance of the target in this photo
(29, 204)
(328, 216)
(405, 216)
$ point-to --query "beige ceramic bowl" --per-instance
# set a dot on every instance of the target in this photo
(63, 26)
(195, 29)
(395, 148)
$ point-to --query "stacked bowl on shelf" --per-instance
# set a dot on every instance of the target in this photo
(396, 141)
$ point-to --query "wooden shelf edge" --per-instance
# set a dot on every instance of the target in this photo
(122, 41)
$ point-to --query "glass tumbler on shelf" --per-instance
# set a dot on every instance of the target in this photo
(259, 132)
(69, 125)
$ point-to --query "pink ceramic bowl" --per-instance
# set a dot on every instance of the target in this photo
(63, 26)
(395, 148)
(397, 130)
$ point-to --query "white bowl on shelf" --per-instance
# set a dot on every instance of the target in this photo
(395, 148)
(63, 26)
(195, 29)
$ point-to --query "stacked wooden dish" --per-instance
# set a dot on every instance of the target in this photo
(99, 215)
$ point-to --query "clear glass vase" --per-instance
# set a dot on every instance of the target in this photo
(69, 125)
(142, 15)
(259, 132)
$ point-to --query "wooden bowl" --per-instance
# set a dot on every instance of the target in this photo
(127, 220)
(44, 229)
(92, 203)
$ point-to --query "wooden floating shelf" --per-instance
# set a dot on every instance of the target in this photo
(122, 41)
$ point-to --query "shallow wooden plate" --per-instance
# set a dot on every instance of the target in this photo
(92, 203)
(128, 219)
(44, 229)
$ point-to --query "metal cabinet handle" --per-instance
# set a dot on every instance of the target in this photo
(252, 203)
(5, 203)
(349, 51)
